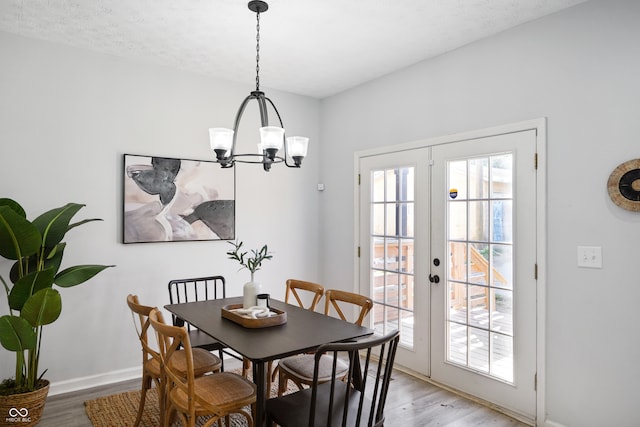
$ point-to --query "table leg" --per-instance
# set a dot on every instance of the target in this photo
(260, 380)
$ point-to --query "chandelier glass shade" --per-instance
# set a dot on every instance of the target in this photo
(274, 146)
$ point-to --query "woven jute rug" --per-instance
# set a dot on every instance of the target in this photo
(120, 410)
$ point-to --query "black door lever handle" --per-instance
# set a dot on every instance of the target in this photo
(434, 279)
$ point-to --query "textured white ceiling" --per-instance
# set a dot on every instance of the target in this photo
(316, 48)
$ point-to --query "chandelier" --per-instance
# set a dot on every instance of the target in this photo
(272, 138)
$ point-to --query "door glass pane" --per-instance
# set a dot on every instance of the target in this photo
(479, 266)
(502, 357)
(391, 220)
(479, 349)
(479, 306)
(458, 221)
(406, 291)
(391, 289)
(377, 186)
(502, 176)
(377, 255)
(458, 261)
(377, 219)
(391, 184)
(502, 262)
(501, 226)
(457, 349)
(457, 302)
(480, 270)
(406, 255)
(479, 221)
(478, 172)
(502, 311)
(391, 254)
(458, 180)
(406, 327)
(392, 257)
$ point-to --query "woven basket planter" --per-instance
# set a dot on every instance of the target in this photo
(24, 409)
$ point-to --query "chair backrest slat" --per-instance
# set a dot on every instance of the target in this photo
(363, 398)
(195, 289)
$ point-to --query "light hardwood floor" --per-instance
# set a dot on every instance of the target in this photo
(411, 402)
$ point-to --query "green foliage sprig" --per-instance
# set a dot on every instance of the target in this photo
(252, 263)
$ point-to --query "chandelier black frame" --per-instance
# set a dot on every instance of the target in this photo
(223, 141)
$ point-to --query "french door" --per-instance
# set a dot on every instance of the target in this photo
(448, 254)
(392, 199)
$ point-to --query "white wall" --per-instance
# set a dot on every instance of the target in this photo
(579, 68)
(66, 118)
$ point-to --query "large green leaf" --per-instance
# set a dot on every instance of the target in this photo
(13, 205)
(52, 260)
(73, 276)
(16, 334)
(53, 224)
(18, 237)
(84, 221)
(42, 308)
(29, 285)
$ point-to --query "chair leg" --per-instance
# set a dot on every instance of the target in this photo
(162, 402)
(269, 380)
(274, 373)
(246, 364)
(170, 416)
(146, 384)
(282, 382)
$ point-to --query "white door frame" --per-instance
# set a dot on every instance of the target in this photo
(540, 126)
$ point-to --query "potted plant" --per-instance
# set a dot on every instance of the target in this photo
(253, 263)
(36, 247)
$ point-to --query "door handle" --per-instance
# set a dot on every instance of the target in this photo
(434, 279)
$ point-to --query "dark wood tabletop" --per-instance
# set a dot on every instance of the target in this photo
(304, 331)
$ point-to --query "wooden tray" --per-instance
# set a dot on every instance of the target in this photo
(274, 320)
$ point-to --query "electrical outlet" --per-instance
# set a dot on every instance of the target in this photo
(590, 256)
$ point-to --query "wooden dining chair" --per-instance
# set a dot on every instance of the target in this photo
(200, 289)
(203, 361)
(357, 401)
(217, 395)
(307, 295)
(299, 368)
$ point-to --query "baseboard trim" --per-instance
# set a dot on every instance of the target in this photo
(91, 381)
(82, 383)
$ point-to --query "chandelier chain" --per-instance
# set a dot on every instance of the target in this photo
(257, 51)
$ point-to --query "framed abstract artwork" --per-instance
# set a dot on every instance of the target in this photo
(169, 200)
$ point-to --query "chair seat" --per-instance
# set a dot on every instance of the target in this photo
(301, 367)
(203, 362)
(293, 410)
(224, 391)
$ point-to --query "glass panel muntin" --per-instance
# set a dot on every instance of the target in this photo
(480, 280)
(392, 258)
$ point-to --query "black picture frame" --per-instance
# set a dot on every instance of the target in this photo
(168, 200)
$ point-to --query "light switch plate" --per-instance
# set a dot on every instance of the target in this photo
(590, 256)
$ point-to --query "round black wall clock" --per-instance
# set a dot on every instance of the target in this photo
(624, 185)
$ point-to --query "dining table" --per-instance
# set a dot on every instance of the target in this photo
(304, 331)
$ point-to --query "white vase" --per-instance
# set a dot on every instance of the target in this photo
(250, 293)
